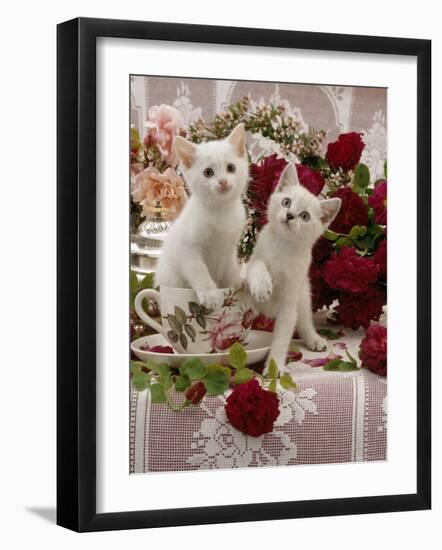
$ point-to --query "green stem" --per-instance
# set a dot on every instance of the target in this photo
(177, 408)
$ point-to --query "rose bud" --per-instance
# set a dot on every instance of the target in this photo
(195, 393)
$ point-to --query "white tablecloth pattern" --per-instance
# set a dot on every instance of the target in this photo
(332, 417)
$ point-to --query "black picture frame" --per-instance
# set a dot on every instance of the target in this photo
(76, 273)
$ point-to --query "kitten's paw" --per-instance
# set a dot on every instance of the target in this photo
(211, 299)
(261, 289)
(316, 343)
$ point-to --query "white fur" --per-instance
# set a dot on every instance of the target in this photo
(277, 273)
(200, 249)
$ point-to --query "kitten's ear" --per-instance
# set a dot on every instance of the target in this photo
(329, 210)
(289, 177)
(237, 139)
(185, 150)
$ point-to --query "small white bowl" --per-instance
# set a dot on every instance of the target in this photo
(257, 347)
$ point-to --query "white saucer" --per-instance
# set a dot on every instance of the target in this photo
(257, 347)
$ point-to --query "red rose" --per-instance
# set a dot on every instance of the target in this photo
(378, 201)
(374, 349)
(346, 151)
(321, 251)
(353, 211)
(264, 179)
(196, 392)
(349, 272)
(322, 294)
(310, 179)
(380, 258)
(251, 409)
(357, 310)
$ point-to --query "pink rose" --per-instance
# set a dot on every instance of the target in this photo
(164, 123)
(227, 330)
(149, 186)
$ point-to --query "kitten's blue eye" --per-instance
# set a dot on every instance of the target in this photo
(208, 172)
(286, 203)
(305, 216)
(231, 168)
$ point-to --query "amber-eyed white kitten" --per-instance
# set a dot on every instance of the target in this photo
(200, 249)
(278, 271)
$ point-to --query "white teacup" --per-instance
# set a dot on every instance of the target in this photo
(192, 328)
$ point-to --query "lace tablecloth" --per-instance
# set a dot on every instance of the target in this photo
(332, 417)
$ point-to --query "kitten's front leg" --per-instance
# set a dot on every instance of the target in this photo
(282, 335)
(259, 280)
(232, 277)
(195, 271)
(306, 328)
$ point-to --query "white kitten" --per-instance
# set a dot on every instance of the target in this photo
(200, 249)
(277, 273)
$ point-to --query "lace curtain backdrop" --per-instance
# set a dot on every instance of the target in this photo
(336, 109)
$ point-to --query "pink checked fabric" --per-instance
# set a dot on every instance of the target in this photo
(332, 417)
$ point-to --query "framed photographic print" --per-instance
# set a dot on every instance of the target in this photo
(225, 325)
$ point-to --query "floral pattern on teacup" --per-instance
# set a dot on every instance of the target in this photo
(222, 329)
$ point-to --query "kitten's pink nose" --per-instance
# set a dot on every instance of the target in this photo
(223, 185)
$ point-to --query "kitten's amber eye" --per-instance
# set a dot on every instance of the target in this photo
(305, 216)
(286, 203)
(231, 168)
(208, 172)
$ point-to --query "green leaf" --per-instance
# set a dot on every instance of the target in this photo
(194, 368)
(329, 333)
(273, 369)
(180, 315)
(141, 380)
(352, 359)
(136, 366)
(344, 241)
(173, 336)
(385, 169)
(190, 331)
(243, 375)
(330, 235)
(201, 321)
(133, 281)
(157, 393)
(361, 177)
(287, 381)
(216, 380)
(182, 382)
(332, 365)
(164, 375)
(272, 386)
(194, 308)
(358, 231)
(175, 325)
(147, 281)
(345, 366)
(237, 356)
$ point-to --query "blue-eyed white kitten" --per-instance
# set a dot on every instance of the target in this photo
(278, 271)
(200, 249)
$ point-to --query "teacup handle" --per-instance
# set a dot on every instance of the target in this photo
(149, 294)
